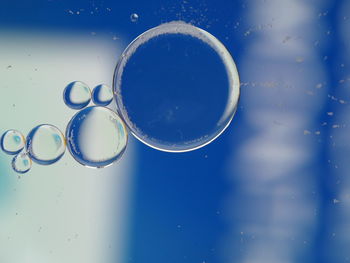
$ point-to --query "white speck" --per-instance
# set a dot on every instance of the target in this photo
(134, 17)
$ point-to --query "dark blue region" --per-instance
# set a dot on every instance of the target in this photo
(178, 204)
(181, 85)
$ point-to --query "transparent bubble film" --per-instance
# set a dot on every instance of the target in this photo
(45, 144)
(12, 142)
(102, 95)
(77, 95)
(96, 137)
(176, 87)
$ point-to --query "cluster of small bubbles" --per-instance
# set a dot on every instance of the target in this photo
(12, 142)
(96, 137)
(134, 17)
(21, 163)
(102, 95)
(77, 95)
(45, 144)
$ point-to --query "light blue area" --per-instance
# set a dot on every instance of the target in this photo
(6, 182)
(17, 139)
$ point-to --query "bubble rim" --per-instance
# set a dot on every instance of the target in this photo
(101, 164)
(96, 101)
(178, 27)
(28, 145)
(77, 106)
(3, 138)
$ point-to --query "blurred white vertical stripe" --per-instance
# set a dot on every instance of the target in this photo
(273, 206)
(64, 212)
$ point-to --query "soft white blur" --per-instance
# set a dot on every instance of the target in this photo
(274, 205)
(65, 212)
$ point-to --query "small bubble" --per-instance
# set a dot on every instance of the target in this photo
(12, 142)
(21, 163)
(45, 144)
(77, 95)
(134, 17)
(102, 95)
(96, 137)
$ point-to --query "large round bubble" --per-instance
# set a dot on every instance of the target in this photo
(96, 137)
(45, 144)
(12, 142)
(176, 87)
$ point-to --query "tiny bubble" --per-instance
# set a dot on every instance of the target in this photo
(134, 17)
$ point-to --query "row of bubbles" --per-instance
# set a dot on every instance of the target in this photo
(176, 87)
(96, 136)
(45, 144)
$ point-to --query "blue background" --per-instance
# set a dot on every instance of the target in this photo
(198, 206)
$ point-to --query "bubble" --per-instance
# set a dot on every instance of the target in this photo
(96, 137)
(176, 87)
(102, 95)
(45, 144)
(77, 95)
(134, 17)
(21, 163)
(12, 142)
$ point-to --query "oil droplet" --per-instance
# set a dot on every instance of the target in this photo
(96, 137)
(134, 17)
(176, 87)
(102, 95)
(45, 144)
(21, 163)
(77, 95)
(12, 142)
